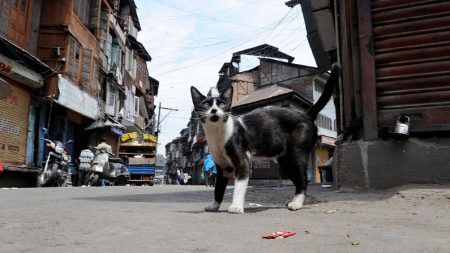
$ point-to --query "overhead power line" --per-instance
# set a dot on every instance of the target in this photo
(203, 16)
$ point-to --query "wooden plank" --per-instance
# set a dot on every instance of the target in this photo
(367, 63)
(350, 70)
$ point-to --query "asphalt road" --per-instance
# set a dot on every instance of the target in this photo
(171, 219)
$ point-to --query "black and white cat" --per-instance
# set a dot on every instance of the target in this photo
(277, 133)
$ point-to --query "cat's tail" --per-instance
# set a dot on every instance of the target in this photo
(333, 80)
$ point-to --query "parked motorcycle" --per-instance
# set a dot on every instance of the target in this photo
(54, 171)
(107, 167)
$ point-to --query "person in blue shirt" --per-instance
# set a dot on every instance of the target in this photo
(209, 170)
(213, 176)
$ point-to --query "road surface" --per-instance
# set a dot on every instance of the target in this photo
(171, 219)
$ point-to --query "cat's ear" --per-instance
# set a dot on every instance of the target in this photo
(197, 97)
(227, 95)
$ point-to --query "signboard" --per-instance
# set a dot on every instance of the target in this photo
(327, 140)
(70, 96)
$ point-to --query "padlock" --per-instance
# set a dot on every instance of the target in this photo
(402, 126)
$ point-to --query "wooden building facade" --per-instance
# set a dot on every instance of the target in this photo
(76, 68)
(395, 61)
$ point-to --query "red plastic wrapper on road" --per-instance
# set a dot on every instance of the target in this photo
(278, 235)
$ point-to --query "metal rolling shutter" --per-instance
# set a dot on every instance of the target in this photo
(14, 125)
(412, 62)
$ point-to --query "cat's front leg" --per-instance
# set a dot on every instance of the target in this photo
(240, 187)
(219, 191)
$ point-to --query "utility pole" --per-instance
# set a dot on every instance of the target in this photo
(159, 116)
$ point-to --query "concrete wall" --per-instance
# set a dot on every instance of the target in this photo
(390, 163)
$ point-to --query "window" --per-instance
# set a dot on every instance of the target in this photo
(136, 106)
(99, 19)
(130, 63)
(76, 7)
(17, 30)
(79, 63)
(103, 28)
(111, 104)
(23, 6)
(115, 52)
(73, 62)
(86, 65)
(108, 50)
(111, 99)
(324, 122)
(81, 9)
(122, 61)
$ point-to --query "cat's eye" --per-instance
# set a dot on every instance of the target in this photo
(221, 104)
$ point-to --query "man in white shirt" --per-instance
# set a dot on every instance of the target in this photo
(86, 157)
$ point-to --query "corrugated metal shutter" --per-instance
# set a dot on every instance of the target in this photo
(14, 125)
(412, 62)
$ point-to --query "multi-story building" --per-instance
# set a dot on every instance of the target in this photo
(22, 74)
(86, 72)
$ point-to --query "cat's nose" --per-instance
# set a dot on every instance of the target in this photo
(213, 111)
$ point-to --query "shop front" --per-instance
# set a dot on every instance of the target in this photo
(14, 125)
(323, 153)
(21, 75)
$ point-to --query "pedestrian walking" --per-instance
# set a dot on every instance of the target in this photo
(213, 176)
(208, 167)
(86, 157)
(178, 179)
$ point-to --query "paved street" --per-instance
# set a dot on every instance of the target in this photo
(170, 219)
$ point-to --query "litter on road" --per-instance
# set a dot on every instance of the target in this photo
(280, 234)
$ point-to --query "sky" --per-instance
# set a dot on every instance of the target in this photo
(189, 41)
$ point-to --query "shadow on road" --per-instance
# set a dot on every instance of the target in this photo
(270, 197)
(166, 197)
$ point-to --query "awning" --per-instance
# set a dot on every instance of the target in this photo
(131, 126)
(104, 123)
(136, 45)
(71, 97)
(21, 66)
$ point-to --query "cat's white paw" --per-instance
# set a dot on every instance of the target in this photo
(213, 207)
(235, 209)
(297, 202)
(293, 206)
